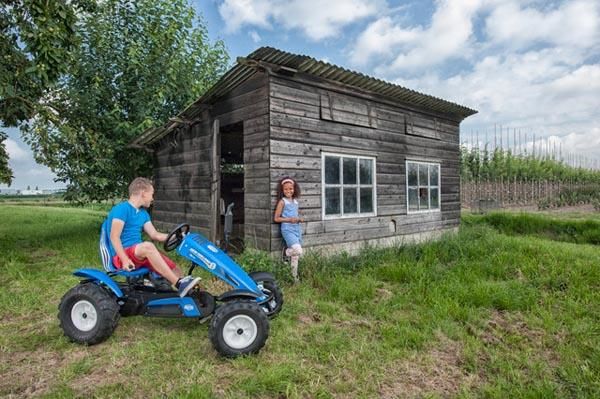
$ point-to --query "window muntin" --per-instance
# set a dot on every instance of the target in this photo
(422, 186)
(348, 186)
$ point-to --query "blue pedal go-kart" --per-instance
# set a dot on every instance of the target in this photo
(90, 311)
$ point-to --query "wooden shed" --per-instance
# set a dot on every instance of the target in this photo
(377, 163)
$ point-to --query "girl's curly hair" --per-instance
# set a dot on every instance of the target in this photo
(280, 187)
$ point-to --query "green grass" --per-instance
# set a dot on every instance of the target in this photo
(568, 229)
(490, 312)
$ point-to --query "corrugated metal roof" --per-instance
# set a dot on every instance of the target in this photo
(308, 65)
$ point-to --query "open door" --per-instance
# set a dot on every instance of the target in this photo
(232, 182)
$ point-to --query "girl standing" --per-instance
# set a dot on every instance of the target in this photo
(286, 213)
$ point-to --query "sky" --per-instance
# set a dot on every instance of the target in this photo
(530, 67)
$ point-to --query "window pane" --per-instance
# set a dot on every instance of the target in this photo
(349, 170)
(350, 200)
(433, 175)
(423, 178)
(366, 200)
(366, 171)
(332, 170)
(332, 201)
(423, 198)
(435, 198)
(413, 200)
(412, 174)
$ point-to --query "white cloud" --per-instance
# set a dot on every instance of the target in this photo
(539, 91)
(255, 36)
(524, 64)
(584, 81)
(236, 13)
(316, 19)
(380, 38)
(416, 47)
(580, 143)
(574, 23)
(15, 152)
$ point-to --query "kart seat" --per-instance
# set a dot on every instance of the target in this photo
(106, 257)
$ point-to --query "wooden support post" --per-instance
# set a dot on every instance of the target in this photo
(215, 181)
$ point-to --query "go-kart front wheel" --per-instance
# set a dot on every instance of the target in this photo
(88, 314)
(239, 328)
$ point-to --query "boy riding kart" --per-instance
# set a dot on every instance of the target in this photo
(125, 248)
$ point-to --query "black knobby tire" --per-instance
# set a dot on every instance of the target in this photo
(238, 328)
(99, 303)
(274, 303)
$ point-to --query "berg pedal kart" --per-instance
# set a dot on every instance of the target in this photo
(90, 311)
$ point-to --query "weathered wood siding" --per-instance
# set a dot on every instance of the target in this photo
(182, 167)
(257, 216)
(309, 117)
(181, 178)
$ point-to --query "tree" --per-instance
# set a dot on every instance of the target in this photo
(6, 175)
(139, 63)
(36, 40)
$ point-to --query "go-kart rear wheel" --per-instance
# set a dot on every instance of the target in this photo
(88, 314)
(267, 284)
(239, 328)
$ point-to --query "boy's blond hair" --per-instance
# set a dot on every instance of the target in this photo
(138, 185)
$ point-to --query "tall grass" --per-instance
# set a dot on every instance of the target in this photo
(480, 313)
(568, 230)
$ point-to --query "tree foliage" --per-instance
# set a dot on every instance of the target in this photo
(36, 40)
(139, 63)
(483, 165)
(6, 175)
(35, 49)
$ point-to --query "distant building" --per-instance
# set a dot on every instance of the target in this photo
(31, 192)
(9, 191)
(53, 191)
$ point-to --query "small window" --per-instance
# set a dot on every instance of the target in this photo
(422, 186)
(348, 186)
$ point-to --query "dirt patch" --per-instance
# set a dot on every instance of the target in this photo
(511, 331)
(309, 318)
(28, 374)
(436, 372)
(214, 286)
(33, 373)
(501, 325)
(99, 375)
(383, 295)
(41, 255)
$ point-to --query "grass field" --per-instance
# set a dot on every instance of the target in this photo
(491, 312)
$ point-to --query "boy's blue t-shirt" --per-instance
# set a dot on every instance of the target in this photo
(134, 220)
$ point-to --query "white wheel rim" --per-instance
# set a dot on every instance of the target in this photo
(240, 332)
(84, 315)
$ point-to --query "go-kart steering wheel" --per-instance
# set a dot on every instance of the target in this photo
(176, 236)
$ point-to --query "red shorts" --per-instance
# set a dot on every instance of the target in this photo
(130, 251)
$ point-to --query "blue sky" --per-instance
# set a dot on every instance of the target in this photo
(526, 65)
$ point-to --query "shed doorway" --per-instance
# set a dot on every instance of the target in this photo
(232, 182)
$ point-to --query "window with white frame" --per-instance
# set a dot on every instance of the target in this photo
(348, 186)
(422, 186)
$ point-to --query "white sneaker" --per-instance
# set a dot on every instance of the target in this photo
(186, 284)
